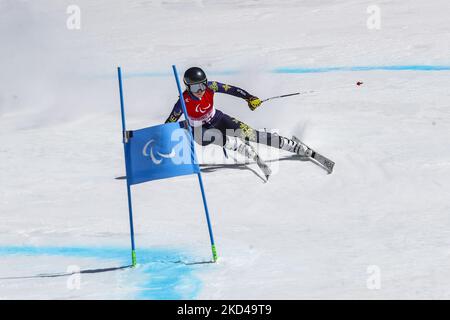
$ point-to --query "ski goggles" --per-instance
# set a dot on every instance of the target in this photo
(197, 87)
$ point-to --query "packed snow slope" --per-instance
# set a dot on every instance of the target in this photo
(378, 227)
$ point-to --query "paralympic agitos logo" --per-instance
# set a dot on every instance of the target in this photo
(157, 158)
(201, 109)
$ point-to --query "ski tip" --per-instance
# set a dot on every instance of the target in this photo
(265, 178)
(330, 170)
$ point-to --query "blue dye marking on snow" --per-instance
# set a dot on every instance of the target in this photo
(296, 70)
(362, 68)
(165, 277)
(146, 74)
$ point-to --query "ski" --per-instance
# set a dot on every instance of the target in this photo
(250, 153)
(264, 167)
(317, 158)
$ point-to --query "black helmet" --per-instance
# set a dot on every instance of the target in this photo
(194, 75)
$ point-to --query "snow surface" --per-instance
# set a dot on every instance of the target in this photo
(304, 234)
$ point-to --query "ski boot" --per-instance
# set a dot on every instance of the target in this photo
(296, 146)
(245, 149)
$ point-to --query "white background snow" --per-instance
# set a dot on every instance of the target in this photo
(377, 228)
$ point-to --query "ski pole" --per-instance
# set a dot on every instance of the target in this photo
(359, 83)
(287, 95)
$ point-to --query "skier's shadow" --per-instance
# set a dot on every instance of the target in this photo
(244, 166)
(66, 274)
(207, 168)
(93, 271)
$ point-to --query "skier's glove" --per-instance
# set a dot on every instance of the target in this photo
(253, 102)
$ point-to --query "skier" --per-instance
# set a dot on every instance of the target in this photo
(236, 135)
